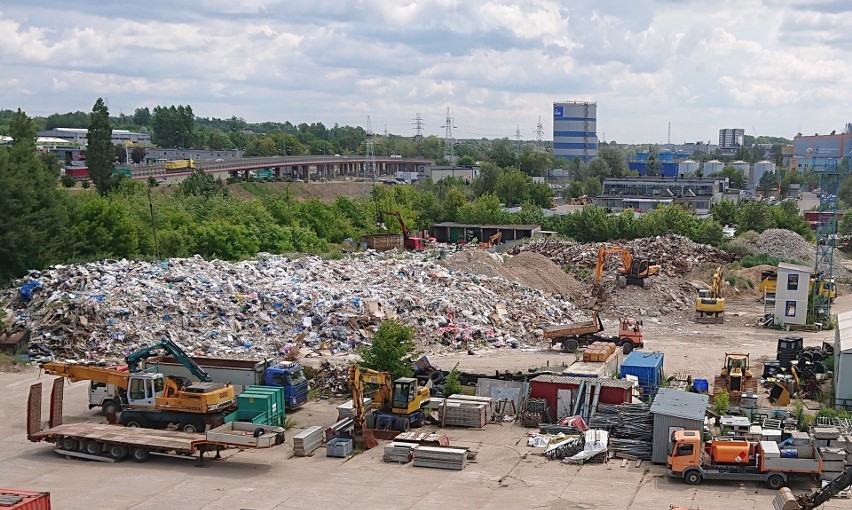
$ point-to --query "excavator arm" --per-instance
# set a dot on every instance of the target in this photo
(358, 378)
(834, 487)
(398, 216)
(716, 284)
(76, 372)
(175, 351)
(604, 251)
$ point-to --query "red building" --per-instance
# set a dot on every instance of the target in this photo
(612, 391)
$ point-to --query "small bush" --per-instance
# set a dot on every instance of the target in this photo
(732, 280)
(721, 402)
(452, 384)
(759, 260)
(68, 181)
(85, 184)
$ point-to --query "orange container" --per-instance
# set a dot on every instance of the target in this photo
(730, 452)
(12, 499)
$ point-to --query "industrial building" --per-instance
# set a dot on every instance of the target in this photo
(575, 130)
(645, 193)
(820, 150)
(439, 173)
(843, 361)
(451, 232)
(730, 140)
(78, 135)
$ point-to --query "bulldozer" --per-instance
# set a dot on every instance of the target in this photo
(709, 304)
(634, 270)
(736, 377)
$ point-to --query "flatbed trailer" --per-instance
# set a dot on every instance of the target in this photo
(111, 443)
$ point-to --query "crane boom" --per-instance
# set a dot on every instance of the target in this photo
(78, 372)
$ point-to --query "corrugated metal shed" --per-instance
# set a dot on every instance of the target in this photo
(680, 404)
(675, 410)
(843, 361)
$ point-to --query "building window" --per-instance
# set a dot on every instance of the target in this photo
(792, 281)
(790, 309)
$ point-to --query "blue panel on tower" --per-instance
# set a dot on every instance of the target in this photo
(558, 111)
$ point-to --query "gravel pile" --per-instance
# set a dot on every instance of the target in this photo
(784, 244)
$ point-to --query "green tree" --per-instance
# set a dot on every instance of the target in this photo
(736, 176)
(142, 116)
(768, 182)
(100, 153)
(502, 153)
(592, 186)
(655, 168)
(709, 231)
(390, 350)
(540, 194)
(754, 216)
(575, 189)
(512, 187)
(200, 183)
(454, 200)
(615, 159)
(725, 212)
(34, 210)
(452, 384)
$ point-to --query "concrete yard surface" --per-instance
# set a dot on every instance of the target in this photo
(505, 474)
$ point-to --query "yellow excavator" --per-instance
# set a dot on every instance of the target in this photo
(398, 404)
(154, 400)
(736, 377)
(709, 304)
(634, 270)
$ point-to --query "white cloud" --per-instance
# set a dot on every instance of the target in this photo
(701, 65)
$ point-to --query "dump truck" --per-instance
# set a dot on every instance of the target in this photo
(694, 460)
(112, 443)
(241, 373)
(573, 336)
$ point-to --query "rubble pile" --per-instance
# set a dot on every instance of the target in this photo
(272, 305)
(669, 292)
(784, 244)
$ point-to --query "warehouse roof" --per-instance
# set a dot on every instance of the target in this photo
(681, 404)
(472, 225)
(563, 379)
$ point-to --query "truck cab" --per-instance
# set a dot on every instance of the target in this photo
(291, 377)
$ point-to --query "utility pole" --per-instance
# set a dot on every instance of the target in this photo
(448, 138)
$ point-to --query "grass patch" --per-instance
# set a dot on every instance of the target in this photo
(10, 363)
(256, 188)
(289, 423)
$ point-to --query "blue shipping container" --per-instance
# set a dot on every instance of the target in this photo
(647, 367)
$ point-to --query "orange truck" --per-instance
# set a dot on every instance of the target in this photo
(694, 460)
(573, 336)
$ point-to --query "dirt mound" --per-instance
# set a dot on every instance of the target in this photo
(785, 244)
(539, 272)
(529, 269)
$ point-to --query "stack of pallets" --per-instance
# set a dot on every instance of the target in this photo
(440, 458)
(466, 411)
(305, 442)
(398, 451)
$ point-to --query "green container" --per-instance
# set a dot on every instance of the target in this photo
(255, 401)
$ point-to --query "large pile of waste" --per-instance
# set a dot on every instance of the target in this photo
(272, 305)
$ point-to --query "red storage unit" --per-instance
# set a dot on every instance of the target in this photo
(12, 499)
(613, 391)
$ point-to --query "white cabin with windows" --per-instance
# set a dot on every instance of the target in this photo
(791, 295)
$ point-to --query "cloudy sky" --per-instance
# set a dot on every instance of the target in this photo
(776, 66)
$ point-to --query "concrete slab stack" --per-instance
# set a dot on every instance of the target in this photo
(440, 458)
(398, 451)
(307, 441)
(827, 440)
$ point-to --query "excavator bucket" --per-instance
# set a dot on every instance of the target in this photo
(784, 500)
(366, 439)
(779, 395)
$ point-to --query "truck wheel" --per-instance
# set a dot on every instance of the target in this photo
(140, 454)
(93, 448)
(626, 345)
(401, 424)
(775, 482)
(570, 345)
(68, 444)
(646, 284)
(133, 423)
(621, 281)
(117, 451)
(189, 427)
(420, 420)
(692, 478)
(110, 407)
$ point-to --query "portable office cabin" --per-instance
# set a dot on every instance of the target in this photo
(675, 410)
(843, 361)
(647, 367)
(791, 294)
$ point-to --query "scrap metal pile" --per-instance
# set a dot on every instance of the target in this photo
(271, 306)
(631, 429)
(669, 292)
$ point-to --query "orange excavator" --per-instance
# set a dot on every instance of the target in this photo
(634, 270)
(410, 242)
(495, 239)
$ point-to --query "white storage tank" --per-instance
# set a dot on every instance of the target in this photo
(760, 168)
(746, 168)
(713, 167)
(687, 168)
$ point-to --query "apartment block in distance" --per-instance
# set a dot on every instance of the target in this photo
(730, 140)
(575, 130)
